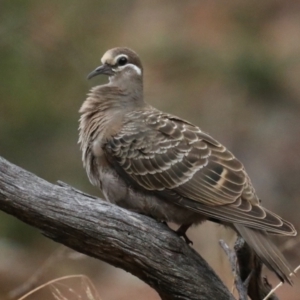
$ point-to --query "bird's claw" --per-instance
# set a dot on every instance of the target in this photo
(181, 231)
(187, 240)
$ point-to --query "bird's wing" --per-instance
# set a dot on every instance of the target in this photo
(167, 155)
(161, 152)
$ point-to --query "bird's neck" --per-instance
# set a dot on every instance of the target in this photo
(104, 105)
(113, 96)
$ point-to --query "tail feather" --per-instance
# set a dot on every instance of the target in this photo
(269, 254)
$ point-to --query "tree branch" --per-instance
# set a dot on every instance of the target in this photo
(138, 244)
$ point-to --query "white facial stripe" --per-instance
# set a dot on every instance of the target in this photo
(134, 67)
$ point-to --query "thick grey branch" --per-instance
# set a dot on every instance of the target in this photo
(135, 243)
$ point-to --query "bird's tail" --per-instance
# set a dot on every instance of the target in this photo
(269, 254)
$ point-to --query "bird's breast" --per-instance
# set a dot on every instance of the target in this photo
(97, 149)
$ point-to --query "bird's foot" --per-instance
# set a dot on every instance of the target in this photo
(187, 240)
(181, 231)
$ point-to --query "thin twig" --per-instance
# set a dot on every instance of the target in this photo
(56, 280)
(239, 284)
(28, 285)
(281, 283)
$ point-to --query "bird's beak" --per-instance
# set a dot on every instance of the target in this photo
(104, 69)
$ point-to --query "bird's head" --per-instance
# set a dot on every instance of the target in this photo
(119, 63)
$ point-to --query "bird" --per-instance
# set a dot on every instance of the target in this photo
(163, 166)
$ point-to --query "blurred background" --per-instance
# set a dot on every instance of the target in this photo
(232, 68)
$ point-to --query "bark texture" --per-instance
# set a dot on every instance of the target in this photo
(135, 243)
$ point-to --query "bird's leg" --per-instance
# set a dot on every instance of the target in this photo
(181, 231)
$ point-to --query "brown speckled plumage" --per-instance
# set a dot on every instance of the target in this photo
(165, 167)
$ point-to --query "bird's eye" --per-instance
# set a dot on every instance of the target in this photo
(122, 61)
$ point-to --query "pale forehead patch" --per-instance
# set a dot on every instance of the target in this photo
(107, 57)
